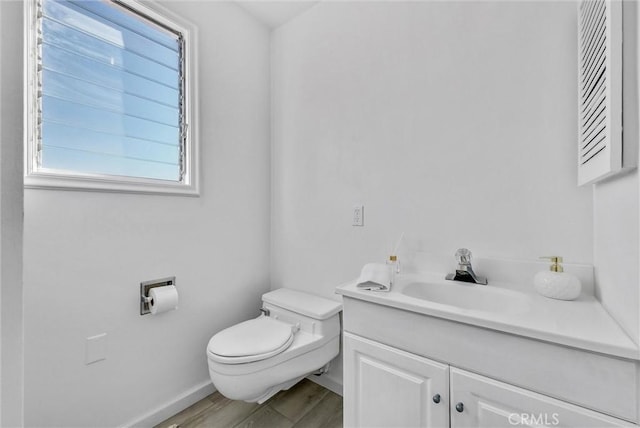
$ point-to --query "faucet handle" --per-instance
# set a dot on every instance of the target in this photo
(463, 256)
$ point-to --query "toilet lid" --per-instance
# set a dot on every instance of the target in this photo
(251, 340)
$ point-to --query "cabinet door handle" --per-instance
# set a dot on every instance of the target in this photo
(436, 398)
(459, 407)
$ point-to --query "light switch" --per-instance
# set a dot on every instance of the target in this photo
(358, 215)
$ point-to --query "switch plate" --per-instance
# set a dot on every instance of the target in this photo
(96, 349)
(358, 215)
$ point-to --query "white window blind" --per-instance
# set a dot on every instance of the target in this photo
(110, 92)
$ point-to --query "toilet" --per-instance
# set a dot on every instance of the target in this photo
(297, 334)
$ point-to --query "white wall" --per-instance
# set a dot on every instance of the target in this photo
(616, 205)
(11, 203)
(451, 121)
(454, 122)
(86, 253)
(616, 249)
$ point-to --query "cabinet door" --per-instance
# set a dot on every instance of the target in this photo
(387, 387)
(488, 403)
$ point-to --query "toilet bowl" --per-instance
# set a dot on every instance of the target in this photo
(298, 335)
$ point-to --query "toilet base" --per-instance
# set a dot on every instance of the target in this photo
(274, 390)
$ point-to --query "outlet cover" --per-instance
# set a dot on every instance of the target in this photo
(96, 349)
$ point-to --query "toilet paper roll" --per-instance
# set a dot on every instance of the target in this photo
(163, 299)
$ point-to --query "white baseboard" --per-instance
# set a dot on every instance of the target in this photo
(327, 382)
(169, 409)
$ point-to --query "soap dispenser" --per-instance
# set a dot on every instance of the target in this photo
(555, 283)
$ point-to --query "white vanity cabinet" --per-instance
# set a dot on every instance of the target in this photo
(396, 359)
(480, 402)
(388, 387)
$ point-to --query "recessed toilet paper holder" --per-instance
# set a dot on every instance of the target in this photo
(145, 286)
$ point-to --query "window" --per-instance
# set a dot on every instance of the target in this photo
(110, 105)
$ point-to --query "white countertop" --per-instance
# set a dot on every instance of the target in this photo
(581, 323)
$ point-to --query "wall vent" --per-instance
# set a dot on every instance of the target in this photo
(599, 89)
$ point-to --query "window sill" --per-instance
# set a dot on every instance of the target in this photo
(42, 180)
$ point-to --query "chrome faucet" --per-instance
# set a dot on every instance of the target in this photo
(464, 271)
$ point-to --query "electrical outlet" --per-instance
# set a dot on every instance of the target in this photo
(358, 215)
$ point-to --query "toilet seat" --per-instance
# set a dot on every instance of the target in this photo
(250, 341)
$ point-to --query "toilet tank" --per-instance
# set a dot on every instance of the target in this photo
(316, 315)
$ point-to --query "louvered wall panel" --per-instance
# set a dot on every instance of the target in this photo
(599, 89)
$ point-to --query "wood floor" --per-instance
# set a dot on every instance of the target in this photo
(305, 405)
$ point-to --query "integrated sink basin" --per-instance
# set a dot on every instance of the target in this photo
(465, 296)
(508, 304)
